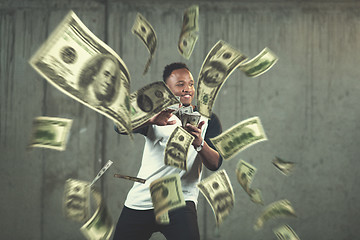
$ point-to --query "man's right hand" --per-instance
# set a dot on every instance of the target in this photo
(162, 118)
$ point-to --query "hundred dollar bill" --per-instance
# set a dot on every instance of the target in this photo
(183, 110)
(189, 36)
(100, 225)
(166, 195)
(281, 208)
(285, 232)
(259, 64)
(50, 132)
(245, 173)
(164, 219)
(219, 193)
(239, 137)
(76, 202)
(102, 171)
(148, 101)
(143, 29)
(285, 167)
(220, 62)
(83, 67)
(135, 179)
(192, 118)
(177, 147)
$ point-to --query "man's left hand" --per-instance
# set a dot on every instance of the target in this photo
(196, 132)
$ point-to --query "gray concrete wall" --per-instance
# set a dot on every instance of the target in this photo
(308, 103)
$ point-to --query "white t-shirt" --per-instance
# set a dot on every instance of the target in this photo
(153, 167)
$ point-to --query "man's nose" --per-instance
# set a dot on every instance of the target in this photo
(186, 88)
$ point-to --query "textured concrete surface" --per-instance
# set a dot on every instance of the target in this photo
(308, 103)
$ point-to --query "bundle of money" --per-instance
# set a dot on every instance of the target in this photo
(245, 173)
(83, 67)
(166, 195)
(76, 202)
(177, 147)
(143, 29)
(218, 65)
(285, 232)
(219, 193)
(189, 32)
(191, 118)
(281, 208)
(260, 64)
(182, 110)
(239, 137)
(285, 167)
(50, 132)
(100, 225)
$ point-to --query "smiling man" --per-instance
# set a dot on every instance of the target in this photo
(137, 219)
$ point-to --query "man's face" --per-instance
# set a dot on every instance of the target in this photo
(105, 78)
(181, 83)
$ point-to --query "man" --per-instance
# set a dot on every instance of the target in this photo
(99, 82)
(137, 220)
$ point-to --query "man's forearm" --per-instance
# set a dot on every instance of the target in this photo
(210, 157)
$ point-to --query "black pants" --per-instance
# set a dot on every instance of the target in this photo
(141, 224)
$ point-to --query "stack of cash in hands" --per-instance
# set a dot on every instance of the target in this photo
(187, 115)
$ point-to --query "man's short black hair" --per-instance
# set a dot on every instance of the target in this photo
(171, 67)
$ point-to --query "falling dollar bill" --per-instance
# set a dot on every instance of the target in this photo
(166, 195)
(83, 67)
(143, 29)
(135, 179)
(100, 225)
(76, 202)
(102, 171)
(281, 208)
(50, 132)
(259, 64)
(219, 193)
(284, 167)
(164, 219)
(239, 137)
(177, 147)
(191, 118)
(285, 232)
(220, 62)
(148, 101)
(245, 173)
(189, 32)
